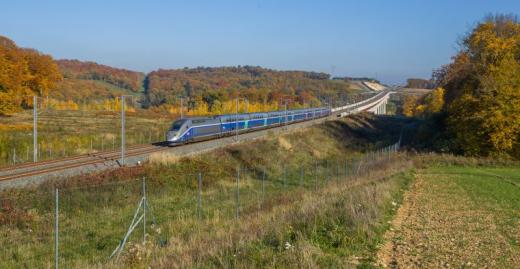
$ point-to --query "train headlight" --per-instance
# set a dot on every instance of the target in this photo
(172, 136)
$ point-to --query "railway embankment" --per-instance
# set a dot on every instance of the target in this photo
(201, 196)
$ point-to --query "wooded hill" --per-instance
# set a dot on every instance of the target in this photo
(90, 82)
(74, 69)
(254, 83)
(27, 72)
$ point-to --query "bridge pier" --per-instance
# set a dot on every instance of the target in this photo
(380, 109)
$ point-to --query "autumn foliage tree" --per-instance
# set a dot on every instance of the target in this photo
(424, 106)
(419, 83)
(23, 73)
(214, 85)
(483, 88)
(409, 104)
(127, 79)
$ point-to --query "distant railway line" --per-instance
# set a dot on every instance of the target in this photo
(111, 158)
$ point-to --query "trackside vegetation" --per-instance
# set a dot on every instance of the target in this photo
(96, 210)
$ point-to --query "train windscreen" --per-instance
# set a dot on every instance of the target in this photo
(177, 125)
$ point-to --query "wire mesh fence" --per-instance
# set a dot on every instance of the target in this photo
(96, 225)
(92, 220)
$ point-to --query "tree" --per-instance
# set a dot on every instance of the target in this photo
(419, 83)
(254, 83)
(434, 101)
(483, 88)
(409, 105)
(74, 69)
(23, 73)
(44, 73)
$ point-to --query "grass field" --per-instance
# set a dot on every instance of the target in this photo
(95, 210)
(302, 203)
(459, 216)
(340, 227)
(66, 133)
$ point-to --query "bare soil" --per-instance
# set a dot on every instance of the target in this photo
(439, 225)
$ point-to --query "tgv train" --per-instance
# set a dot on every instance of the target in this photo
(202, 128)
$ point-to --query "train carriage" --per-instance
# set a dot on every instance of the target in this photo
(257, 120)
(202, 128)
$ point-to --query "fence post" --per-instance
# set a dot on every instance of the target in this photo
(238, 194)
(355, 171)
(316, 175)
(144, 209)
(14, 155)
(337, 170)
(284, 178)
(301, 175)
(328, 170)
(346, 169)
(56, 230)
(263, 186)
(199, 200)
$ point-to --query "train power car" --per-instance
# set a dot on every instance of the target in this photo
(203, 128)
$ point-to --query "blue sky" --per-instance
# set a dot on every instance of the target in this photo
(390, 40)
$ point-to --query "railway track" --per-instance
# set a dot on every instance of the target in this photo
(111, 158)
(44, 167)
(49, 162)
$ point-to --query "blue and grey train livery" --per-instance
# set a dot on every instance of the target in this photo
(202, 128)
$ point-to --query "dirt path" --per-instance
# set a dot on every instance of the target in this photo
(439, 226)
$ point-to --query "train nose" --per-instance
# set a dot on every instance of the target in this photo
(171, 136)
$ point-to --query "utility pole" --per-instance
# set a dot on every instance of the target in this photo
(35, 128)
(236, 122)
(285, 108)
(285, 113)
(123, 122)
(122, 130)
(182, 101)
(236, 115)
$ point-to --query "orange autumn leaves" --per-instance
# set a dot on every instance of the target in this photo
(484, 112)
(24, 73)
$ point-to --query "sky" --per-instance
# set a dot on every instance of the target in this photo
(388, 40)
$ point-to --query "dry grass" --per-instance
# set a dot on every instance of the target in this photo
(163, 158)
(227, 243)
(95, 217)
(66, 133)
